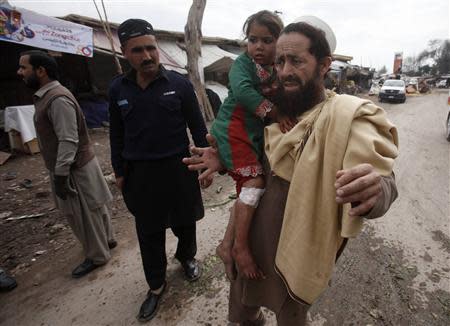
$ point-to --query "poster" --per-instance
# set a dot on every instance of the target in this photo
(29, 28)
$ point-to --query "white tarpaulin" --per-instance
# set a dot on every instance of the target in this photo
(20, 118)
(26, 27)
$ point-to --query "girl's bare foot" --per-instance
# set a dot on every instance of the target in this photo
(245, 263)
(224, 253)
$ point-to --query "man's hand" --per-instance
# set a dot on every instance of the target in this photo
(63, 187)
(119, 182)
(204, 159)
(360, 186)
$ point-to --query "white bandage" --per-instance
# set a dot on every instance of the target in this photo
(251, 196)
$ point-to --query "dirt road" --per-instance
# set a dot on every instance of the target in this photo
(395, 273)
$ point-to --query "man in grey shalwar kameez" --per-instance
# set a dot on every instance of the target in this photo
(80, 190)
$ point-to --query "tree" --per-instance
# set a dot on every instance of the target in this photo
(437, 56)
(193, 48)
(443, 60)
(383, 70)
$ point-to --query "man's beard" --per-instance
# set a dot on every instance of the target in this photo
(32, 82)
(292, 104)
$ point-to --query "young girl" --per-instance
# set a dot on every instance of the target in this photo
(239, 132)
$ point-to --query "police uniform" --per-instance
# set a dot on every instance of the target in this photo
(148, 141)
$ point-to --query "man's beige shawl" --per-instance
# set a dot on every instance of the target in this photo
(348, 131)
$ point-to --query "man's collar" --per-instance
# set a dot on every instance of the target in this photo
(132, 74)
(44, 89)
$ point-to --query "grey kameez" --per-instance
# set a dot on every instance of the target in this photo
(86, 212)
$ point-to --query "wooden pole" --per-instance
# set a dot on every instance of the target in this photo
(193, 46)
(108, 33)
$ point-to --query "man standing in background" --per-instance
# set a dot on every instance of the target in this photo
(81, 192)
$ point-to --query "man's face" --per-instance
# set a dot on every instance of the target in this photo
(142, 54)
(294, 63)
(28, 73)
(299, 74)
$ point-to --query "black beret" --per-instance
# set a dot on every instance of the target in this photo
(134, 28)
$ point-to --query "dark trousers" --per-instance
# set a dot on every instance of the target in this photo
(163, 194)
(153, 250)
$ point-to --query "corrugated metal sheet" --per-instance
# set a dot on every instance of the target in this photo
(173, 57)
(338, 65)
(213, 57)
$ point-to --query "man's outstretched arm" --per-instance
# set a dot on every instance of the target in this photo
(370, 193)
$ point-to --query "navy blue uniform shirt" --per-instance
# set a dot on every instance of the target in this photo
(150, 124)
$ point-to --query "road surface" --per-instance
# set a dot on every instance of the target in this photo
(395, 273)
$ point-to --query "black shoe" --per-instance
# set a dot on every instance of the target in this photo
(192, 270)
(84, 268)
(150, 306)
(112, 244)
(7, 283)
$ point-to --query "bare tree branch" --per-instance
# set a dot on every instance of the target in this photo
(193, 48)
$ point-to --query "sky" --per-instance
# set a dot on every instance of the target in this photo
(371, 31)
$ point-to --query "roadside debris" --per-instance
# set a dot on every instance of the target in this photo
(423, 87)
(375, 313)
(411, 89)
(26, 183)
(4, 157)
(42, 194)
(9, 176)
(56, 228)
(5, 214)
(22, 217)
(110, 178)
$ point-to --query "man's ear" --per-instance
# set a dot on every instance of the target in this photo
(325, 65)
(40, 72)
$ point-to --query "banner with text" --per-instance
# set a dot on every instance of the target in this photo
(29, 28)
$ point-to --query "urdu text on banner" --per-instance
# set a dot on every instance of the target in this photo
(29, 28)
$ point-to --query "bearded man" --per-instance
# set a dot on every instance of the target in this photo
(327, 174)
(80, 189)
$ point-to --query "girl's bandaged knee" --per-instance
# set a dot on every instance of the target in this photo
(251, 196)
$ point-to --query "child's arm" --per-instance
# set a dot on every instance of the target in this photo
(285, 123)
(244, 88)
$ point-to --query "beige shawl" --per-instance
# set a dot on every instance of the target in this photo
(348, 131)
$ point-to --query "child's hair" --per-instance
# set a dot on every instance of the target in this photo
(264, 18)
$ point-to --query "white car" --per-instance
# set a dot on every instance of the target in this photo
(393, 90)
(442, 83)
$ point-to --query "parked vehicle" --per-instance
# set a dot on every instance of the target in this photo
(448, 117)
(442, 83)
(393, 90)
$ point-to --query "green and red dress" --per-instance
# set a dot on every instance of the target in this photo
(239, 126)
